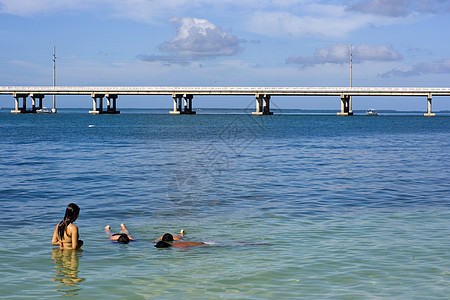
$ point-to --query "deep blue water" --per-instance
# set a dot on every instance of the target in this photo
(351, 207)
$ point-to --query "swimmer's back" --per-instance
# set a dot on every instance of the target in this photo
(70, 237)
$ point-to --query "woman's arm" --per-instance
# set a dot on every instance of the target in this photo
(74, 234)
(55, 240)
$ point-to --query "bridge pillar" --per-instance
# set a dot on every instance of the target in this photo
(18, 109)
(39, 97)
(266, 105)
(262, 105)
(97, 101)
(346, 106)
(33, 104)
(350, 110)
(429, 113)
(111, 98)
(188, 104)
(182, 104)
(176, 104)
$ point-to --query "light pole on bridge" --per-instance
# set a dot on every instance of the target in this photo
(54, 78)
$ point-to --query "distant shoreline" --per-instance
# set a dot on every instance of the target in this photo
(245, 111)
(250, 109)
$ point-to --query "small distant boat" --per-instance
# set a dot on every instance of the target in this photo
(371, 112)
(43, 110)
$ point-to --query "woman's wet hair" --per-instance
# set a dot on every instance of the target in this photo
(72, 212)
(123, 239)
(162, 244)
(167, 238)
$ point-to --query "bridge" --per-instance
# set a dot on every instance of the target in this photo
(183, 96)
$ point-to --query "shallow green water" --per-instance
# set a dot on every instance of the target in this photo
(309, 207)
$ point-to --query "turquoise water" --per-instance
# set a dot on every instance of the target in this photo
(294, 206)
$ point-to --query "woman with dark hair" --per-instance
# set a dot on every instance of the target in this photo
(66, 234)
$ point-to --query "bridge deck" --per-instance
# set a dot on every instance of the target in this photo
(273, 91)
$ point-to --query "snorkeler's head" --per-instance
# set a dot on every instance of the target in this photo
(123, 239)
(162, 244)
(167, 238)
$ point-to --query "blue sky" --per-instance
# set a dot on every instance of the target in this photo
(228, 43)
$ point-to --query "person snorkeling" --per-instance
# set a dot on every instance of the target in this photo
(167, 241)
(123, 237)
(66, 234)
(177, 237)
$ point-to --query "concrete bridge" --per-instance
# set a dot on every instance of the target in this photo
(183, 96)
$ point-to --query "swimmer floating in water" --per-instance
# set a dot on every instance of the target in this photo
(123, 237)
(167, 241)
(177, 237)
(66, 234)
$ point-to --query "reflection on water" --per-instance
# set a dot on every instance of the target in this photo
(66, 271)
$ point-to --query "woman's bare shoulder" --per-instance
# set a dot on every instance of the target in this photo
(71, 228)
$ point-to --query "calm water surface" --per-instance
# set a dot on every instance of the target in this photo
(293, 206)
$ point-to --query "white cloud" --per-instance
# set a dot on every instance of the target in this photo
(399, 8)
(34, 7)
(266, 17)
(392, 8)
(149, 11)
(196, 39)
(340, 53)
(137, 10)
(323, 21)
(378, 53)
(432, 67)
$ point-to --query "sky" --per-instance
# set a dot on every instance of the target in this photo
(303, 43)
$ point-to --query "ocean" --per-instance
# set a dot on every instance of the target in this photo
(295, 205)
